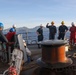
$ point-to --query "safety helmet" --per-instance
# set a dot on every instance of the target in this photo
(62, 22)
(52, 22)
(1, 25)
(12, 30)
(41, 26)
(14, 26)
(72, 23)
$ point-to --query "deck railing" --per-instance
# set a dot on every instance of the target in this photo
(30, 39)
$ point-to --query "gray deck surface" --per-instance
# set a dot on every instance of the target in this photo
(29, 68)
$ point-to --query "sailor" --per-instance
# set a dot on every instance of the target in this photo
(28, 52)
(62, 30)
(40, 35)
(2, 36)
(11, 36)
(52, 30)
(3, 39)
(72, 34)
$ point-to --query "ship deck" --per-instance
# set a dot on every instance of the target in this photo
(36, 53)
(29, 68)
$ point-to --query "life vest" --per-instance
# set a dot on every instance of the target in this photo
(9, 35)
(12, 70)
(73, 29)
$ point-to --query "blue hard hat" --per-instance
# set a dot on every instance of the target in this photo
(12, 30)
(1, 25)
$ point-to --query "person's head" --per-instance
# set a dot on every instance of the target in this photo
(14, 26)
(72, 24)
(52, 23)
(41, 26)
(12, 30)
(47, 23)
(62, 22)
(1, 26)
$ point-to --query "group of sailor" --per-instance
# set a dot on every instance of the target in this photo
(62, 29)
(10, 39)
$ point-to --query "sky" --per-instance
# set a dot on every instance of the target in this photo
(32, 13)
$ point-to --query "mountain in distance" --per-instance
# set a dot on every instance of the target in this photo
(18, 30)
(35, 29)
(32, 32)
(25, 29)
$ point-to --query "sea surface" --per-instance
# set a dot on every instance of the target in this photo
(31, 37)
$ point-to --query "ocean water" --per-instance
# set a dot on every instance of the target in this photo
(31, 37)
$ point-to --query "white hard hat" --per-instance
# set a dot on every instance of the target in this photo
(14, 25)
(41, 25)
(72, 23)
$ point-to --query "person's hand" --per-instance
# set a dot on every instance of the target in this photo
(65, 31)
(47, 24)
(37, 33)
(9, 43)
(58, 33)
